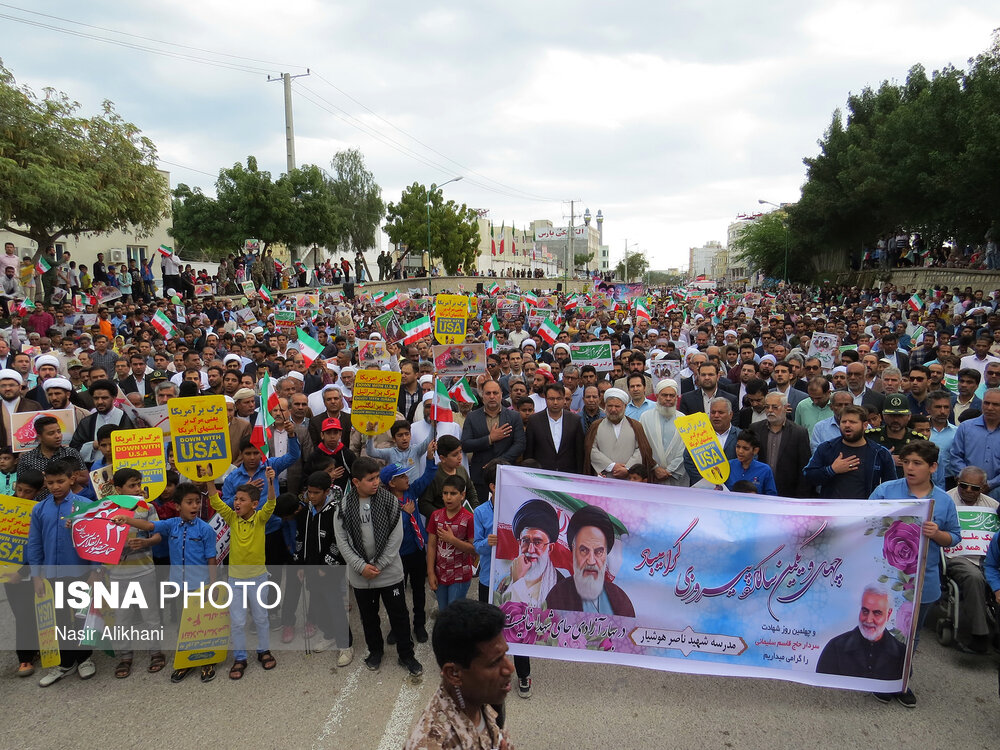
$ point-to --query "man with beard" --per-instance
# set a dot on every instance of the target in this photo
(867, 650)
(11, 383)
(784, 446)
(591, 537)
(532, 574)
(592, 411)
(617, 442)
(84, 437)
(850, 466)
(664, 440)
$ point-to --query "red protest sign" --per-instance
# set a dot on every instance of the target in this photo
(100, 539)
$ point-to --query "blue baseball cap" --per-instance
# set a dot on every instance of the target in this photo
(391, 471)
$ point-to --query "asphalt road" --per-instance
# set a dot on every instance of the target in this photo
(306, 702)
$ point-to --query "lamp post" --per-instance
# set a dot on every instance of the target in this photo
(627, 246)
(762, 202)
(429, 193)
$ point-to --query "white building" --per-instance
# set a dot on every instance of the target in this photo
(701, 259)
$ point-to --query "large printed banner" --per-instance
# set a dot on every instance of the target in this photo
(451, 315)
(15, 518)
(142, 450)
(685, 580)
(199, 428)
(596, 354)
(22, 425)
(459, 360)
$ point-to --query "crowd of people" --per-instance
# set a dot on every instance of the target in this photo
(909, 406)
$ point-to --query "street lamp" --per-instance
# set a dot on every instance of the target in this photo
(627, 246)
(762, 202)
(429, 193)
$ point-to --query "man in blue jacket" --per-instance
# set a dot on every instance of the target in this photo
(849, 466)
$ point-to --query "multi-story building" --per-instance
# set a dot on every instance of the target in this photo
(701, 259)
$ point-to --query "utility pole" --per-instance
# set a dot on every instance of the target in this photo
(286, 79)
(569, 248)
(626, 260)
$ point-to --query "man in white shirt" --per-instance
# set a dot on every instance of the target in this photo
(981, 357)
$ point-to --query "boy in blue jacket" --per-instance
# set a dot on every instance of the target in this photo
(413, 551)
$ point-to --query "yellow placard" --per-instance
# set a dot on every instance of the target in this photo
(451, 317)
(199, 429)
(45, 621)
(15, 518)
(701, 441)
(142, 450)
(373, 408)
(203, 637)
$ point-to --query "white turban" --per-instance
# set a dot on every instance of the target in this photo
(8, 374)
(617, 393)
(666, 383)
(58, 383)
(528, 342)
(297, 375)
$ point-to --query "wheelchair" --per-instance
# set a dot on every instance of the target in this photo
(949, 623)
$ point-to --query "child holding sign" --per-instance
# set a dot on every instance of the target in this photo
(136, 564)
(246, 567)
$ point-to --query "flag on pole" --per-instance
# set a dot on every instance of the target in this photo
(43, 265)
(265, 293)
(165, 251)
(641, 311)
(462, 392)
(492, 325)
(310, 347)
(163, 324)
(502, 227)
(493, 289)
(531, 298)
(492, 345)
(261, 432)
(572, 303)
(513, 240)
(26, 306)
(915, 303)
(493, 242)
(300, 266)
(392, 300)
(416, 330)
(548, 331)
(441, 403)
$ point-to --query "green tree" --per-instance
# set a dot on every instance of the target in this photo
(764, 245)
(199, 227)
(637, 265)
(64, 174)
(309, 212)
(359, 198)
(454, 229)
(582, 259)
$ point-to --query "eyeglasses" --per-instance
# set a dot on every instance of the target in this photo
(536, 542)
(967, 486)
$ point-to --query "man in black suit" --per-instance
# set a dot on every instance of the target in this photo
(554, 437)
(137, 382)
(889, 350)
(862, 395)
(784, 446)
(103, 392)
(708, 388)
(694, 361)
(491, 432)
(333, 400)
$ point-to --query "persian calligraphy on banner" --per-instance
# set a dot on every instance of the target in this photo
(451, 317)
(222, 534)
(701, 441)
(598, 355)
(705, 582)
(978, 528)
(142, 450)
(199, 429)
(459, 359)
(249, 290)
(372, 354)
(15, 518)
(824, 346)
(22, 427)
(284, 318)
(203, 637)
(98, 539)
(373, 408)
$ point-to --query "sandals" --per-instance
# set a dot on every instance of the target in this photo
(179, 674)
(208, 673)
(124, 669)
(236, 671)
(156, 663)
(266, 659)
(25, 669)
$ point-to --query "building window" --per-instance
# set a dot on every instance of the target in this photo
(137, 253)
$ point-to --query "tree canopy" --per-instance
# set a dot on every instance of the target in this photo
(637, 265)
(918, 156)
(64, 174)
(454, 229)
(765, 244)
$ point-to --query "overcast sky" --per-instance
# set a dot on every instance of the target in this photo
(672, 120)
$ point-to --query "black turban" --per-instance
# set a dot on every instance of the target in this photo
(536, 514)
(591, 515)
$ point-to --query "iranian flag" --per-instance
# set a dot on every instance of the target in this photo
(441, 403)
(722, 310)
(265, 293)
(513, 240)
(493, 289)
(163, 324)
(531, 298)
(416, 330)
(43, 265)
(391, 301)
(492, 325)
(571, 303)
(300, 266)
(502, 227)
(915, 303)
(493, 242)
(261, 432)
(641, 311)
(548, 331)
(27, 306)
(378, 297)
(492, 345)
(670, 306)
(165, 251)
(310, 347)
(462, 392)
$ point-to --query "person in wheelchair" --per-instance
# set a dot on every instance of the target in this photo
(966, 569)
